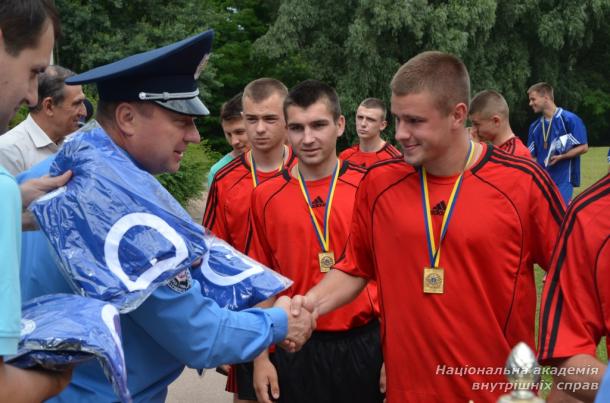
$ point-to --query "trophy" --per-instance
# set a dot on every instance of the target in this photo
(523, 372)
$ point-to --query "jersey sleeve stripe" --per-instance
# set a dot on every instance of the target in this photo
(595, 192)
(541, 179)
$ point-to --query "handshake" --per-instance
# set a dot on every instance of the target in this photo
(302, 315)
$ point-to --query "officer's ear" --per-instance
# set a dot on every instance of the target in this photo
(125, 118)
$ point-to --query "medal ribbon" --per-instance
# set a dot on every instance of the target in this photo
(545, 133)
(433, 252)
(255, 180)
(323, 235)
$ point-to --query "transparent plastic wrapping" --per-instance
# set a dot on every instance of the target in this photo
(234, 280)
(118, 234)
(59, 330)
(116, 231)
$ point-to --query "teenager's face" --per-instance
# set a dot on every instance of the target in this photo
(423, 131)
(235, 133)
(369, 122)
(485, 128)
(265, 122)
(19, 78)
(313, 133)
(537, 101)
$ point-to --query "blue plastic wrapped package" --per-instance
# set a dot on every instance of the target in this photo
(117, 233)
(561, 145)
(60, 329)
(234, 280)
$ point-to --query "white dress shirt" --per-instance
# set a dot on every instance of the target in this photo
(24, 146)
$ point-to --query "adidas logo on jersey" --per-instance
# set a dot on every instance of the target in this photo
(318, 202)
(440, 208)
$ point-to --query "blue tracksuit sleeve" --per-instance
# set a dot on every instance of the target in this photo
(531, 139)
(200, 334)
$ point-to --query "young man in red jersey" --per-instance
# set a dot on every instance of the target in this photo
(228, 205)
(573, 313)
(454, 299)
(489, 116)
(370, 122)
(227, 212)
(300, 225)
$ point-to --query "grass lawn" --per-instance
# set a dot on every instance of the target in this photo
(594, 165)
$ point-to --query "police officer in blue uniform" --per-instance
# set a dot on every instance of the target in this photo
(563, 166)
(147, 106)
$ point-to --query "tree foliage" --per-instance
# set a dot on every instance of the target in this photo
(357, 45)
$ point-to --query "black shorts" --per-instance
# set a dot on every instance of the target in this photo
(333, 367)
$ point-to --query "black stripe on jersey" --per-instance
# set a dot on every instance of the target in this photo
(391, 150)
(209, 215)
(518, 274)
(595, 192)
(540, 178)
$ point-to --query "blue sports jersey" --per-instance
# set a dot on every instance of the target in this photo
(563, 123)
(174, 327)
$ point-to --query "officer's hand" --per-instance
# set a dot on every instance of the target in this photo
(299, 327)
(265, 380)
(299, 302)
(34, 188)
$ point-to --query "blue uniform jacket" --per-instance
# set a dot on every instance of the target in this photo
(172, 329)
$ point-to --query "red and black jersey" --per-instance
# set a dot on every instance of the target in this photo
(574, 312)
(285, 240)
(515, 146)
(366, 159)
(227, 211)
(506, 218)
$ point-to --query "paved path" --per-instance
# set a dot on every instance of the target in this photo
(191, 388)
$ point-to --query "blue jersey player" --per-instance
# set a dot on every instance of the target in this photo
(556, 139)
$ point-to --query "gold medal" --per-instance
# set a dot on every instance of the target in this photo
(434, 280)
(326, 261)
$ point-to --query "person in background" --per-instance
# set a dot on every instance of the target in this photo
(545, 132)
(489, 115)
(58, 113)
(234, 128)
(371, 148)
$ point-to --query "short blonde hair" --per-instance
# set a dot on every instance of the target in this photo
(261, 89)
(488, 103)
(443, 75)
(543, 89)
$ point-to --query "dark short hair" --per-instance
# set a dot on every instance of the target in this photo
(51, 83)
(375, 103)
(543, 89)
(232, 109)
(106, 110)
(262, 88)
(308, 93)
(443, 75)
(23, 21)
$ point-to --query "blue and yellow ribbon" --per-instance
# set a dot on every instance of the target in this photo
(255, 180)
(323, 233)
(433, 252)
